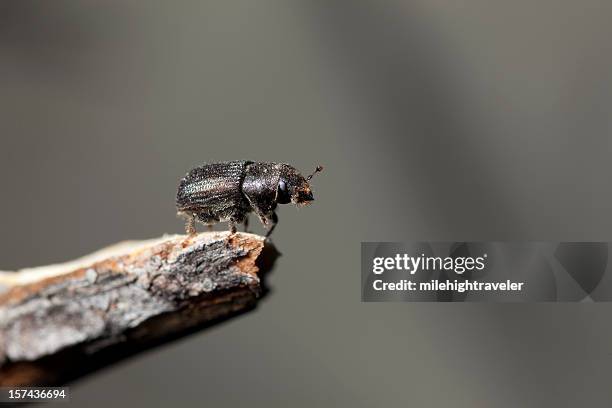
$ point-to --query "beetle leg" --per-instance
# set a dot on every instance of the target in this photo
(263, 220)
(274, 219)
(190, 228)
(246, 224)
(209, 227)
(232, 226)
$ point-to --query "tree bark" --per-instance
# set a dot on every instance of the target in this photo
(62, 321)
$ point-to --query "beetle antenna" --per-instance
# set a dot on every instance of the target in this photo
(317, 170)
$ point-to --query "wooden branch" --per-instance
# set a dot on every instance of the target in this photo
(59, 322)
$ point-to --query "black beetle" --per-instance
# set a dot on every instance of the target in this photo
(229, 191)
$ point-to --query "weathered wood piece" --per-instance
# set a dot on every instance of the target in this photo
(61, 321)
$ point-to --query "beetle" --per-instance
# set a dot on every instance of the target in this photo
(229, 191)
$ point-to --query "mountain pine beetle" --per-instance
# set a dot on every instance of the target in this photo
(229, 191)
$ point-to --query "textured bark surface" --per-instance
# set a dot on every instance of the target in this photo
(62, 321)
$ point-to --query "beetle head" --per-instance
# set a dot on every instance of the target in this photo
(293, 187)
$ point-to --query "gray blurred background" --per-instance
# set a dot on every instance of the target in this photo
(436, 120)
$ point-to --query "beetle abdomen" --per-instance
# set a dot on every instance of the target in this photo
(213, 190)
